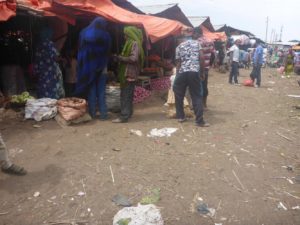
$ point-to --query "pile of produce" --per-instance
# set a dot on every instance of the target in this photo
(160, 84)
(140, 94)
(21, 99)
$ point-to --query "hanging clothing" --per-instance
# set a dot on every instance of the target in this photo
(50, 79)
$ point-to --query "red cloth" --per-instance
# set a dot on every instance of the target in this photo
(7, 9)
(207, 48)
(213, 36)
(156, 28)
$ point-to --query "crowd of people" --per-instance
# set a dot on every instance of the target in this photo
(86, 72)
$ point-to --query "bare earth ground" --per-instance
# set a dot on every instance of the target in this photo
(235, 166)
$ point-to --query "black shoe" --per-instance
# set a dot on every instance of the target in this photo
(15, 170)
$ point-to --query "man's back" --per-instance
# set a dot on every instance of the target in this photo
(188, 54)
(258, 55)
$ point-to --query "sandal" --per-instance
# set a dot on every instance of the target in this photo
(15, 170)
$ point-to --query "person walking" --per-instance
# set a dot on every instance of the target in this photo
(6, 165)
(235, 55)
(93, 55)
(257, 64)
(190, 67)
(131, 61)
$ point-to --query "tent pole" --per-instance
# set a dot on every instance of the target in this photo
(162, 49)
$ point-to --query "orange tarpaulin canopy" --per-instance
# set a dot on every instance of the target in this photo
(213, 36)
(156, 28)
(7, 9)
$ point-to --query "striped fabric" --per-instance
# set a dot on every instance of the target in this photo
(208, 49)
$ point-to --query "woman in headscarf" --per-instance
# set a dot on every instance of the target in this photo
(93, 54)
(289, 63)
(50, 80)
(131, 61)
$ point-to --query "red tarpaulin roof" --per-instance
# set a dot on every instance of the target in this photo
(7, 9)
(213, 36)
(156, 28)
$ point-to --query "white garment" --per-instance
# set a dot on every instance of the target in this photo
(4, 160)
(235, 53)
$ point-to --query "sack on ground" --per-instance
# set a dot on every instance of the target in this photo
(248, 83)
(71, 108)
(113, 98)
(40, 109)
(280, 70)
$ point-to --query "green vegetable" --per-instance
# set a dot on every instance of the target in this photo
(22, 98)
(152, 199)
(124, 221)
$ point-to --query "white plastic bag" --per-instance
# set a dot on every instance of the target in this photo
(40, 109)
(113, 98)
(140, 215)
(164, 132)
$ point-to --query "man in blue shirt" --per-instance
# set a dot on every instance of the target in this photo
(257, 63)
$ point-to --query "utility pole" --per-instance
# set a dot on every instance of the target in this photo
(281, 33)
(267, 25)
(271, 37)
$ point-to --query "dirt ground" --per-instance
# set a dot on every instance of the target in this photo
(237, 166)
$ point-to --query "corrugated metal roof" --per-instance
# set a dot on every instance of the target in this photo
(197, 20)
(217, 27)
(154, 9)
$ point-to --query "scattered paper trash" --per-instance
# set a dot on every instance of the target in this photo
(136, 132)
(296, 207)
(37, 126)
(294, 96)
(289, 180)
(121, 200)
(153, 198)
(281, 206)
(116, 149)
(164, 132)
(81, 193)
(14, 151)
(140, 215)
(36, 194)
(288, 167)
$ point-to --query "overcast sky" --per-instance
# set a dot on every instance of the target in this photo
(244, 15)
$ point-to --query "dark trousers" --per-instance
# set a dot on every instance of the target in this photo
(204, 83)
(234, 72)
(256, 74)
(193, 82)
(127, 94)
